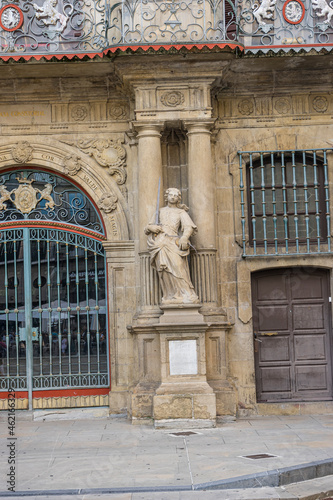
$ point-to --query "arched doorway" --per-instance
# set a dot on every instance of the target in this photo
(53, 312)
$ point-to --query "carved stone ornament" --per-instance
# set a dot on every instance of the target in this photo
(172, 99)
(108, 153)
(263, 10)
(79, 113)
(117, 112)
(51, 16)
(108, 202)
(22, 152)
(72, 164)
(323, 9)
(246, 107)
(26, 196)
(320, 104)
(282, 106)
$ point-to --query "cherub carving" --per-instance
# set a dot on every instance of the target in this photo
(49, 14)
(263, 11)
(325, 9)
(5, 195)
(46, 195)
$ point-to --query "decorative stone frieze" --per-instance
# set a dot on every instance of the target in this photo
(22, 152)
(190, 100)
(274, 107)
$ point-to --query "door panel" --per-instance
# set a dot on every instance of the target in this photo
(292, 326)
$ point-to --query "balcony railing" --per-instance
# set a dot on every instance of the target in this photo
(87, 27)
(76, 27)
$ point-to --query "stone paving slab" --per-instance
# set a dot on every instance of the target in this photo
(111, 453)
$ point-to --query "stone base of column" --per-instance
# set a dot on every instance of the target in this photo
(184, 398)
(142, 403)
(226, 398)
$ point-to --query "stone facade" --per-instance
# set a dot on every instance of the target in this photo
(118, 126)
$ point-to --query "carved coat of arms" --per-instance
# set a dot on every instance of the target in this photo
(25, 196)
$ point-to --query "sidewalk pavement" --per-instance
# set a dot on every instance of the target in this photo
(100, 457)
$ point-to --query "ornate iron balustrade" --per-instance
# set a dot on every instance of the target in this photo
(88, 27)
(79, 27)
(281, 24)
(285, 202)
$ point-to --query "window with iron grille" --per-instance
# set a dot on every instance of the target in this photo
(287, 201)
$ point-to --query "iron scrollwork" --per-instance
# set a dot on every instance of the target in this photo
(43, 196)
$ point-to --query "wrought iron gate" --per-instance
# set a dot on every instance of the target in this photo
(53, 319)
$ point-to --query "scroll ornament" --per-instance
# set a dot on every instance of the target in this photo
(108, 153)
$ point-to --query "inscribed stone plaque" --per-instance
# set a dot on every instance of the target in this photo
(19, 114)
(183, 357)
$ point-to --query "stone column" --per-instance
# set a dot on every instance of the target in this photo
(149, 174)
(201, 182)
(150, 171)
(201, 185)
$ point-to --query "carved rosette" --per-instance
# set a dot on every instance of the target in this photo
(79, 113)
(246, 107)
(108, 153)
(282, 106)
(72, 164)
(320, 104)
(22, 152)
(117, 112)
(172, 99)
(107, 202)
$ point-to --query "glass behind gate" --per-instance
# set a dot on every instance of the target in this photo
(53, 293)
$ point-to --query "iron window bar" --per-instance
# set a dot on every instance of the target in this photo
(284, 202)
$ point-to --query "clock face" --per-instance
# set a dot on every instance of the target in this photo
(11, 17)
(293, 11)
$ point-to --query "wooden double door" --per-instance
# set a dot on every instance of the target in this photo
(292, 334)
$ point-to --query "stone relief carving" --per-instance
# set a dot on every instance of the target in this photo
(25, 199)
(325, 9)
(72, 164)
(282, 106)
(22, 152)
(172, 99)
(301, 106)
(79, 113)
(320, 104)
(246, 107)
(117, 112)
(50, 15)
(169, 250)
(107, 202)
(108, 153)
(264, 10)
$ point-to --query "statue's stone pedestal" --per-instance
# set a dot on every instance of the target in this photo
(184, 398)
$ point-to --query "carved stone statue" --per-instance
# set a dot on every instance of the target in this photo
(168, 243)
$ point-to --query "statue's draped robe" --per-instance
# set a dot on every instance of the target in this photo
(169, 260)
